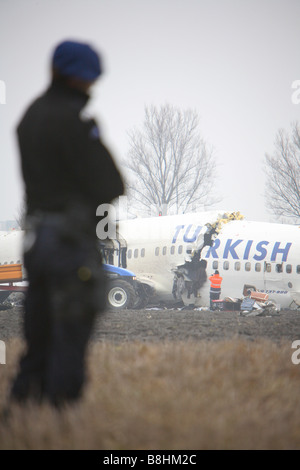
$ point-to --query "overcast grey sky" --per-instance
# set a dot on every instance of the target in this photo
(232, 61)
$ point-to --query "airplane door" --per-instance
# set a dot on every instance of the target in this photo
(108, 251)
(121, 251)
(114, 251)
(273, 276)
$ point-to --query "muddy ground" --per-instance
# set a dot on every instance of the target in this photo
(159, 324)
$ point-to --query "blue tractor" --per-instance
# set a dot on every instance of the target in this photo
(122, 288)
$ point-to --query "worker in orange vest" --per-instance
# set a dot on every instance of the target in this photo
(215, 288)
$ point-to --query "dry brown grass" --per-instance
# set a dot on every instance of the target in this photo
(176, 395)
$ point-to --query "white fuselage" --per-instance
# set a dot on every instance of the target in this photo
(11, 247)
(263, 255)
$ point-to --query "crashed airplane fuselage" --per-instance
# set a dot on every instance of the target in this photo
(175, 255)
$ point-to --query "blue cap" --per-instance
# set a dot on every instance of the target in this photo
(78, 60)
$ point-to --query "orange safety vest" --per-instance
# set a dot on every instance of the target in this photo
(216, 281)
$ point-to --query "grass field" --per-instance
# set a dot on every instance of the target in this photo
(229, 394)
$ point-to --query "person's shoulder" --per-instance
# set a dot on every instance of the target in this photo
(32, 110)
(35, 103)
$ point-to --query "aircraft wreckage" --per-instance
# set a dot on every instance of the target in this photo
(173, 256)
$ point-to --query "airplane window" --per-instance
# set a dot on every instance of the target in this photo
(288, 268)
(279, 268)
(247, 266)
(268, 267)
(298, 269)
(142, 252)
(136, 253)
(129, 253)
(164, 250)
(215, 265)
(172, 251)
(226, 265)
(257, 267)
(157, 251)
(237, 266)
(180, 249)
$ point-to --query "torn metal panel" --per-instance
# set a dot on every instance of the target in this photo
(191, 276)
(296, 297)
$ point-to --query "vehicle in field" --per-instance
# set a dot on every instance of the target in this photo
(121, 289)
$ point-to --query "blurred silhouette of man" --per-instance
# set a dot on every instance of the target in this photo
(68, 173)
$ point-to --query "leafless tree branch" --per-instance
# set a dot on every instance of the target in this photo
(283, 174)
(170, 164)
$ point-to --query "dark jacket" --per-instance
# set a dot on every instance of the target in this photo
(63, 159)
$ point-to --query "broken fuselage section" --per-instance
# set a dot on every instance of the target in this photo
(190, 277)
(173, 256)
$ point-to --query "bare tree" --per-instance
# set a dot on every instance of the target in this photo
(283, 174)
(21, 214)
(171, 167)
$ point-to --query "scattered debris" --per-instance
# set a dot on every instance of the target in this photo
(247, 304)
(262, 309)
(259, 296)
(255, 304)
(252, 307)
(228, 303)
